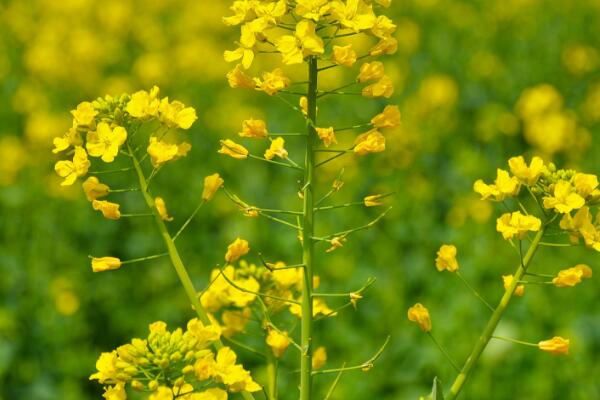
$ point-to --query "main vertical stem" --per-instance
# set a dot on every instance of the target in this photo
(307, 235)
(486, 336)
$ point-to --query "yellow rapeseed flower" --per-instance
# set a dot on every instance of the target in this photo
(237, 78)
(420, 315)
(387, 45)
(319, 357)
(94, 189)
(254, 128)
(109, 210)
(370, 142)
(212, 183)
(276, 149)
(327, 135)
(556, 345)
(355, 15)
(528, 175)
(143, 104)
(564, 198)
(585, 184)
(245, 52)
(71, 170)
(278, 342)
(84, 114)
(446, 258)
(176, 114)
(389, 118)
(161, 208)
(116, 392)
(232, 149)
(504, 186)
(382, 88)
(372, 71)
(272, 82)
(507, 280)
(373, 200)
(105, 142)
(517, 225)
(161, 152)
(312, 9)
(71, 138)
(105, 264)
(572, 276)
(304, 43)
(238, 248)
(233, 375)
(344, 55)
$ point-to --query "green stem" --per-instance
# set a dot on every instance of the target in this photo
(307, 236)
(272, 377)
(490, 328)
(182, 273)
(515, 341)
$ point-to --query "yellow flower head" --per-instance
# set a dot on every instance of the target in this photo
(247, 41)
(105, 264)
(504, 186)
(106, 366)
(272, 82)
(507, 280)
(276, 149)
(109, 210)
(517, 225)
(94, 189)
(71, 138)
(354, 14)
(319, 357)
(446, 258)
(564, 198)
(304, 43)
(232, 149)
(572, 276)
(372, 71)
(344, 55)
(237, 78)
(161, 208)
(585, 184)
(387, 45)
(278, 342)
(143, 104)
(528, 175)
(237, 249)
(71, 170)
(84, 114)
(116, 392)
(327, 135)
(235, 321)
(389, 118)
(161, 152)
(556, 345)
(105, 142)
(176, 114)
(209, 394)
(212, 183)
(312, 9)
(254, 128)
(369, 142)
(419, 314)
(382, 88)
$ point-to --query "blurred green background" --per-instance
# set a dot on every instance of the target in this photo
(463, 74)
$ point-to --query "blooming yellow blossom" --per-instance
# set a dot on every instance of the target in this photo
(564, 198)
(372, 71)
(235, 321)
(304, 43)
(504, 186)
(276, 149)
(507, 281)
(327, 135)
(446, 258)
(71, 138)
(162, 393)
(556, 345)
(232, 149)
(161, 208)
(176, 114)
(369, 142)
(237, 78)
(383, 27)
(106, 366)
(109, 210)
(116, 392)
(272, 82)
(419, 314)
(517, 225)
(383, 88)
(84, 114)
(585, 184)
(161, 152)
(233, 375)
(94, 189)
(144, 104)
(238, 248)
(105, 142)
(389, 118)
(312, 9)
(246, 50)
(572, 276)
(212, 183)
(344, 55)
(373, 200)
(528, 175)
(387, 45)
(71, 170)
(105, 264)
(319, 357)
(278, 342)
(354, 14)
(254, 128)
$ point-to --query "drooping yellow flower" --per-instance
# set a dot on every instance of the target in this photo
(161, 152)
(276, 149)
(382, 88)
(237, 78)
(84, 114)
(507, 280)
(369, 142)
(176, 114)
(387, 45)
(344, 55)
(71, 170)
(572, 276)
(254, 128)
(420, 315)
(304, 43)
(517, 225)
(312, 9)
(105, 142)
(238, 248)
(564, 198)
(383, 27)
(94, 189)
(278, 342)
(556, 345)
(327, 135)
(272, 82)
(504, 186)
(528, 175)
(161, 208)
(212, 183)
(372, 71)
(144, 104)
(319, 357)
(389, 118)
(446, 258)
(585, 184)
(105, 264)
(109, 210)
(232, 149)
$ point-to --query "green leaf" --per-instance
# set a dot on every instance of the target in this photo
(437, 393)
